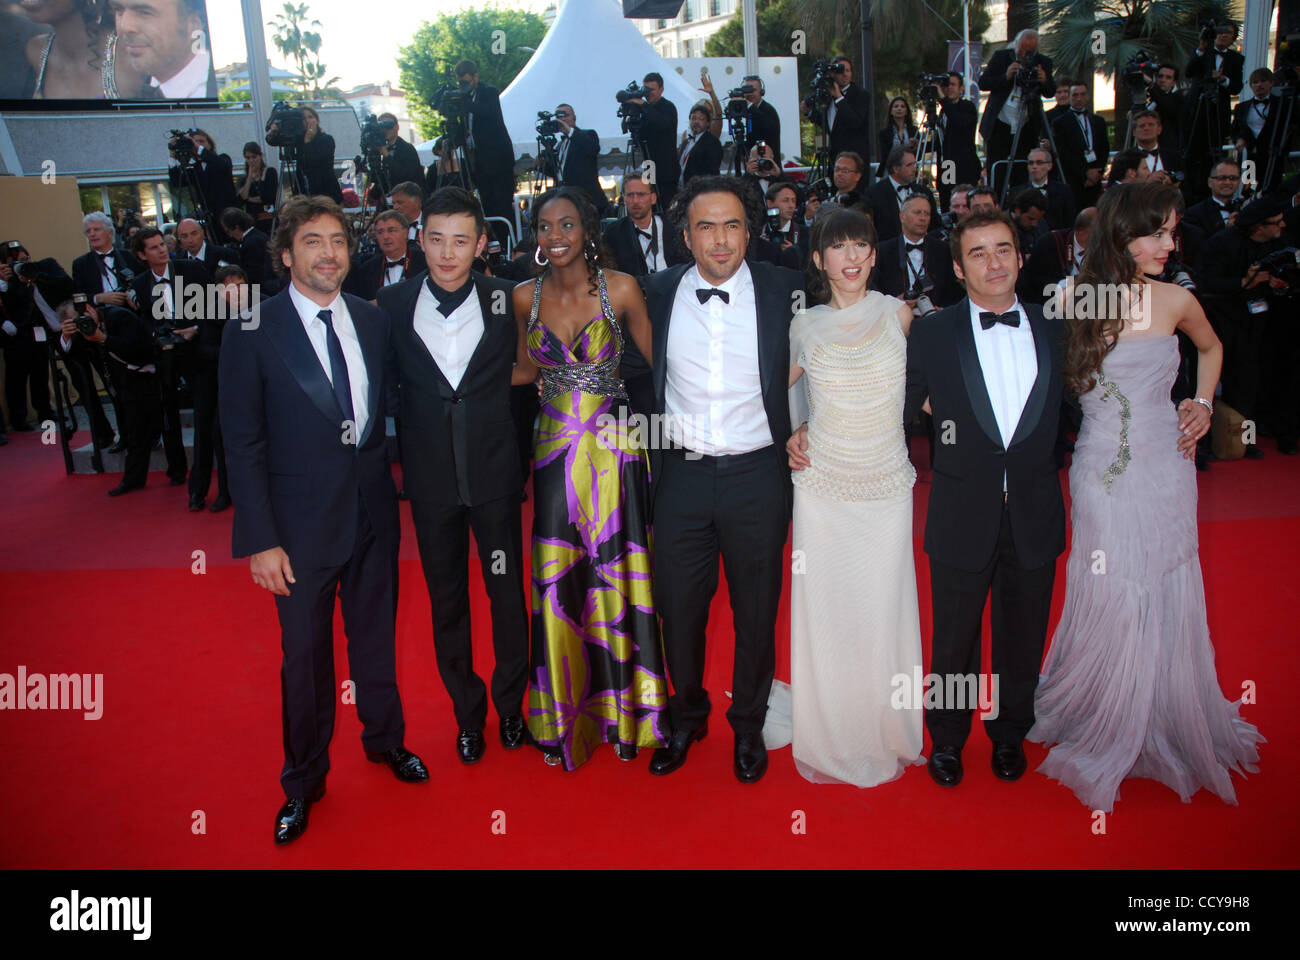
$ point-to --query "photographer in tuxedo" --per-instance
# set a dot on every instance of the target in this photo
(886, 196)
(1014, 104)
(213, 172)
(238, 302)
(723, 487)
(1164, 97)
(303, 396)
(660, 133)
(990, 368)
(1060, 201)
(761, 119)
(1055, 257)
(846, 118)
(1163, 164)
(701, 152)
(1084, 147)
(641, 241)
(1215, 76)
(579, 158)
(252, 247)
(24, 335)
(492, 154)
(958, 120)
(399, 160)
(1254, 126)
(397, 259)
(453, 344)
(1219, 209)
(917, 262)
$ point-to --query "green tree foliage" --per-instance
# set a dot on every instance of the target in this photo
(300, 44)
(471, 35)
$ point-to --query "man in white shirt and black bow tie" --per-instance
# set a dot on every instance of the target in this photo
(397, 260)
(1254, 128)
(1163, 165)
(640, 241)
(578, 157)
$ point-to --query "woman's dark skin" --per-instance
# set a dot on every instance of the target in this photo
(567, 301)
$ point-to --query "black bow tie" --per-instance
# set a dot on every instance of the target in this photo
(394, 263)
(909, 247)
(645, 233)
(449, 301)
(1010, 318)
(1078, 113)
(104, 256)
(705, 292)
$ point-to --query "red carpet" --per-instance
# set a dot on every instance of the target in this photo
(191, 722)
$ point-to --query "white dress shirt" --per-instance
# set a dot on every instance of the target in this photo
(341, 320)
(1256, 114)
(166, 294)
(1153, 159)
(106, 268)
(451, 340)
(190, 83)
(713, 394)
(660, 262)
(687, 146)
(1009, 361)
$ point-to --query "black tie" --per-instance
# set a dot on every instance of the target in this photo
(909, 247)
(449, 301)
(987, 318)
(338, 368)
(395, 263)
(705, 292)
(646, 233)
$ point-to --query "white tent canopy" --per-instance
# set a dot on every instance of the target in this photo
(589, 52)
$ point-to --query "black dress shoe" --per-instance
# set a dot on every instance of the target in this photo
(220, 503)
(668, 758)
(1008, 761)
(470, 745)
(291, 821)
(122, 488)
(23, 427)
(401, 494)
(175, 481)
(119, 447)
(196, 504)
(512, 732)
(945, 766)
(751, 757)
(405, 765)
(1287, 447)
(626, 751)
(1253, 452)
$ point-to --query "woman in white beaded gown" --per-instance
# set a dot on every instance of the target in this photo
(1129, 687)
(854, 625)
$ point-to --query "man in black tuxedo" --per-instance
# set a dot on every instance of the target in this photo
(578, 154)
(958, 120)
(1084, 147)
(1028, 213)
(991, 370)
(399, 161)
(641, 241)
(916, 258)
(1164, 164)
(659, 131)
(1013, 107)
(303, 397)
(211, 172)
(1218, 210)
(1060, 201)
(454, 341)
(24, 334)
(194, 246)
(254, 253)
(1054, 257)
(492, 154)
(397, 260)
(847, 119)
(726, 489)
(1168, 101)
(701, 152)
(161, 290)
(104, 275)
(1061, 108)
(886, 196)
(761, 119)
(762, 170)
(1254, 127)
(1215, 74)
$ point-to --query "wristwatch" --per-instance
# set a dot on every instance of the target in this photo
(1205, 403)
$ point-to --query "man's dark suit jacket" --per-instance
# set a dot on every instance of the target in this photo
(458, 440)
(705, 158)
(893, 277)
(994, 81)
(294, 482)
(581, 166)
(1072, 149)
(958, 144)
(1205, 215)
(88, 278)
(849, 131)
(191, 272)
(966, 499)
(1060, 211)
(367, 279)
(764, 124)
(402, 164)
(622, 242)
(213, 255)
(660, 133)
(883, 200)
(493, 151)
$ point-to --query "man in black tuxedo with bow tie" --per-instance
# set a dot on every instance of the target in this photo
(916, 258)
(492, 154)
(1218, 210)
(1060, 200)
(701, 152)
(1215, 73)
(578, 154)
(397, 260)
(303, 397)
(1164, 164)
(721, 366)
(1255, 123)
(1012, 107)
(1084, 147)
(886, 196)
(990, 368)
(454, 341)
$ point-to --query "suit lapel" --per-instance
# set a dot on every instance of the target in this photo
(490, 322)
(1029, 416)
(659, 319)
(973, 375)
(286, 333)
(372, 352)
(407, 319)
(768, 315)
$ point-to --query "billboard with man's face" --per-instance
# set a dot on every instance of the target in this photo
(85, 50)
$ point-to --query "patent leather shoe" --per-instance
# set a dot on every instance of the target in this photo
(197, 504)
(220, 503)
(668, 758)
(751, 757)
(512, 732)
(1008, 761)
(470, 746)
(122, 488)
(291, 821)
(945, 765)
(405, 765)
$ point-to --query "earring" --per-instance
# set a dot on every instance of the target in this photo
(538, 259)
(589, 251)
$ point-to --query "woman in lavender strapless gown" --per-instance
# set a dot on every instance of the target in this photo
(1129, 687)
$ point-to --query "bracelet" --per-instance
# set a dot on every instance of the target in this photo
(1205, 403)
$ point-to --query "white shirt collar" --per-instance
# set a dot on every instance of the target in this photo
(202, 250)
(307, 309)
(976, 310)
(190, 83)
(738, 281)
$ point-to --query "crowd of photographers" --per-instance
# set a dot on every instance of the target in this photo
(1235, 245)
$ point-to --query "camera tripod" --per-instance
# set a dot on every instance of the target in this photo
(927, 145)
(1011, 160)
(190, 189)
(821, 166)
(1281, 133)
(547, 160)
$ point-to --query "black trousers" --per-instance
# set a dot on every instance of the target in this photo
(523, 410)
(496, 190)
(169, 374)
(1022, 601)
(999, 148)
(83, 368)
(1280, 402)
(139, 414)
(737, 507)
(25, 364)
(442, 531)
(207, 437)
(1244, 337)
(366, 586)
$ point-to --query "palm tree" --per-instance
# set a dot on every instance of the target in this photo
(302, 46)
(1084, 37)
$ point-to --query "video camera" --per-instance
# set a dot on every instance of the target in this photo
(1027, 76)
(180, 144)
(374, 133)
(547, 126)
(929, 87)
(451, 99)
(1209, 29)
(736, 105)
(1284, 265)
(1140, 71)
(285, 127)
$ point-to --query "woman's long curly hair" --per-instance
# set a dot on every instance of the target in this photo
(1125, 213)
(593, 240)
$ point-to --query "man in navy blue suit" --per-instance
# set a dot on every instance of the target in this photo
(302, 397)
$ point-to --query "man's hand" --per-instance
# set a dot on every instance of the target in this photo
(271, 570)
(6, 272)
(1013, 70)
(1091, 177)
(1277, 283)
(189, 333)
(796, 448)
(836, 90)
(117, 298)
(1232, 219)
(68, 327)
(1160, 176)
(706, 83)
(911, 304)
(1041, 74)
(97, 337)
(751, 166)
(1254, 277)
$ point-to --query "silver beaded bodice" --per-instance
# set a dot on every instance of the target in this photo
(855, 429)
(594, 377)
